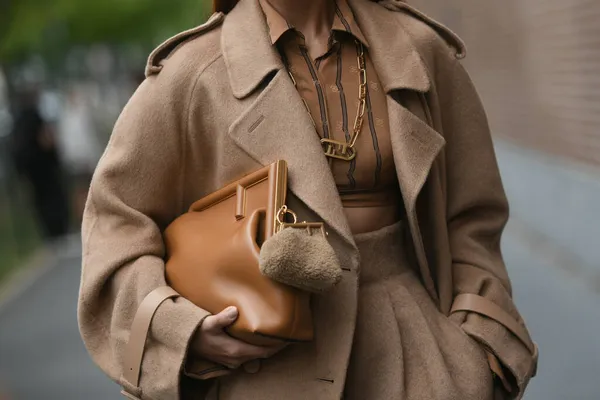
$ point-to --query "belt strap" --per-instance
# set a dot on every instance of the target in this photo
(483, 306)
(134, 350)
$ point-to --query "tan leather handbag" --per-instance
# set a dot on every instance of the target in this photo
(213, 259)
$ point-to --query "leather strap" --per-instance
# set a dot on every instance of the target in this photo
(480, 305)
(134, 351)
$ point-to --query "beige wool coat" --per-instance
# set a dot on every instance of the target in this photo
(217, 104)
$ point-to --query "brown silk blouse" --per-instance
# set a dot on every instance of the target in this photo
(329, 85)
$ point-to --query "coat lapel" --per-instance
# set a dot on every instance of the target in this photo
(415, 144)
(400, 68)
(415, 147)
(398, 62)
(267, 131)
(275, 124)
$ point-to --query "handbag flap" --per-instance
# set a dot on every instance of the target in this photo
(273, 177)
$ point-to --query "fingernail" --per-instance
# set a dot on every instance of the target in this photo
(232, 312)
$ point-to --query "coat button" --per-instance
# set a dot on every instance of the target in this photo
(252, 367)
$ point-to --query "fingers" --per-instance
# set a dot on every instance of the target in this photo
(222, 320)
(235, 352)
(242, 352)
(216, 345)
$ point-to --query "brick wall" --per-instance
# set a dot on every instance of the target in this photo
(536, 64)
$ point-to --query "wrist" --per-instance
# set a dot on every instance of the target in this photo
(195, 344)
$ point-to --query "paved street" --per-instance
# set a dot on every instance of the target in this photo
(41, 355)
(552, 252)
(563, 315)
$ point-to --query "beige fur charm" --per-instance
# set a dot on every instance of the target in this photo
(300, 259)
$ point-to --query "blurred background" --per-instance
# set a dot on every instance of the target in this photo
(67, 67)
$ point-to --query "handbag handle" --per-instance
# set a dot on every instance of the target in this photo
(134, 350)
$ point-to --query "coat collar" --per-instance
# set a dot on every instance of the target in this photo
(247, 49)
(343, 21)
(398, 63)
(268, 132)
(250, 57)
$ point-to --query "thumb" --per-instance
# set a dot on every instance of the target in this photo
(224, 318)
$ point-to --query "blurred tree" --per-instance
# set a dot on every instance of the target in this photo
(50, 27)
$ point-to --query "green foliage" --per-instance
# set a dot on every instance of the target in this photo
(51, 26)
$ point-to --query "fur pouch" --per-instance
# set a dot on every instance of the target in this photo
(300, 258)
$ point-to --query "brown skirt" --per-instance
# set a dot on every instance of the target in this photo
(404, 348)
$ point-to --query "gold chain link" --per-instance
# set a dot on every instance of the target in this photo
(335, 148)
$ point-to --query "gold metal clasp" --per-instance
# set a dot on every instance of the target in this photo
(309, 226)
(337, 149)
(283, 211)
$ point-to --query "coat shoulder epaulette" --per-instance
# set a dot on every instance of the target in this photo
(446, 33)
(154, 64)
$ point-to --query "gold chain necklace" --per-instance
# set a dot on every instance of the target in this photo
(336, 148)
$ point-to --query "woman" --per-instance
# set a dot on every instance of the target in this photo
(36, 158)
(79, 147)
(424, 309)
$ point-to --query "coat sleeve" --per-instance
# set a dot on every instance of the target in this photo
(477, 211)
(135, 193)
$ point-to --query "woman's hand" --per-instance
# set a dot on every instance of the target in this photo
(213, 344)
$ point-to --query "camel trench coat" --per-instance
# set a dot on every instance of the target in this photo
(217, 104)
